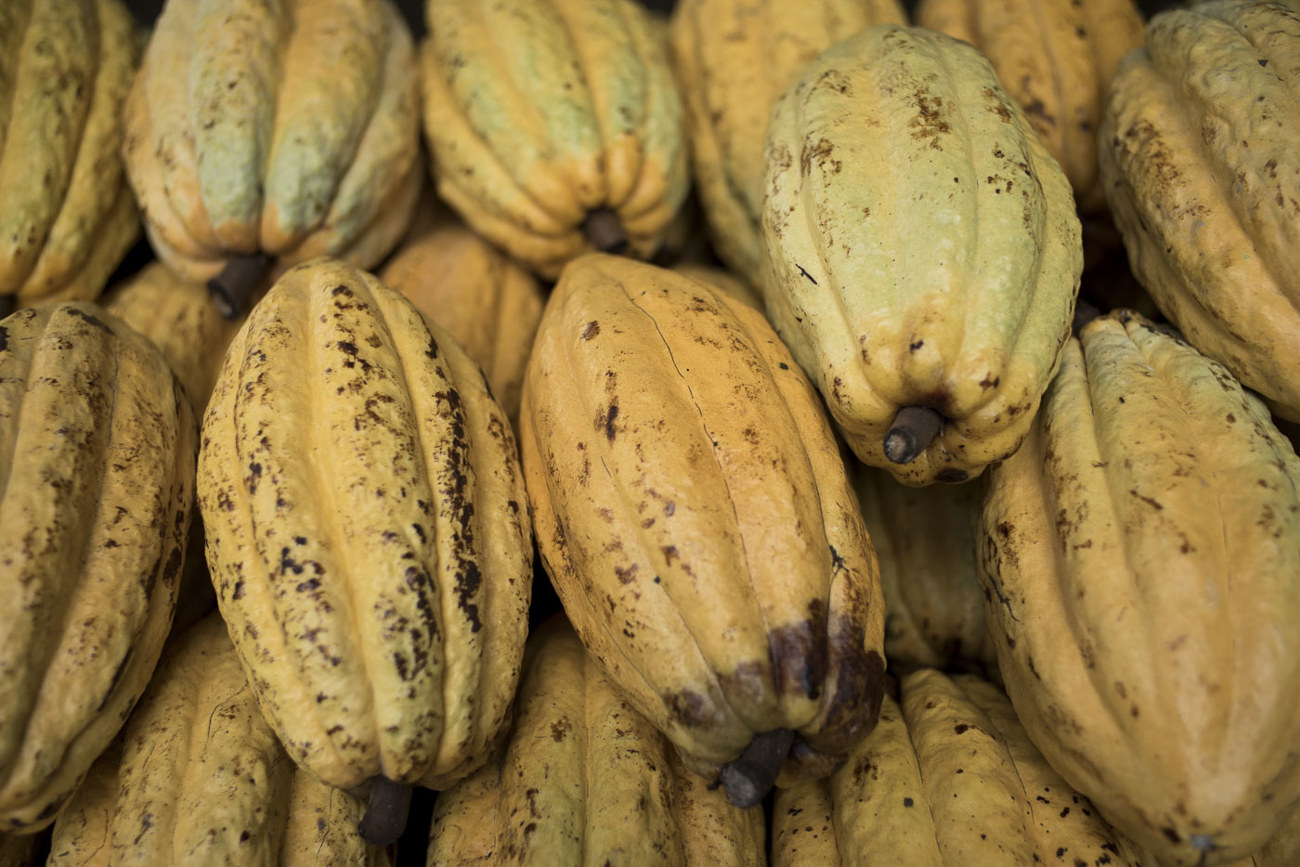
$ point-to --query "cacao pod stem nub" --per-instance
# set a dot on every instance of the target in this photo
(914, 428)
(748, 779)
(386, 812)
(231, 289)
(605, 231)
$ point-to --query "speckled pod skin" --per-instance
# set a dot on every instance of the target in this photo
(67, 216)
(585, 781)
(199, 778)
(539, 112)
(1140, 554)
(286, 128)
(925, 544)
(948, 777)
(367, 531)
(921, 247)
(1055, 58)
(487, 302)
(733, 59)
(693, 512)
(1202, 174)
(97, 450)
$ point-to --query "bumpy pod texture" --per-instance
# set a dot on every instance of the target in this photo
(948, 777)
(199, 778)
(921, 247)
(1056, 59)
(1202, 174)
(585, 780)
(541, 112)
(1139, 556)
(287, 128)
(733, 59)
(694, 514)
(367, 531)
(97, 449)
(67, 215)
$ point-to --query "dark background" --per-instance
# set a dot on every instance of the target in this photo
(147, 10)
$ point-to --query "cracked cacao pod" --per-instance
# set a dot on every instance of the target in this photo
(585, 780)
(67, 216)
(199, 777)
(554, 126)
(922, 251)
(97, 451)
(367, 532)
(947, 777)
(733, 58)
(1140, 556)
(283, 131)
(1203, 177)
(693, 511)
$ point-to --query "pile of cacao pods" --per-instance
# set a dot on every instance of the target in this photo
(564, 432)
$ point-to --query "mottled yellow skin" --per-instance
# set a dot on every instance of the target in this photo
(67, 215)
(1139, 556)
(733, 58)
(367, 531)
(925, 544)
(693, 512)
(1056, 59)
(538, 112)
(199, 778)
(486, 301)
(289, 128)
(1198, 154)
(921, 247)
(586, 781)
(97, 449)
(948, 777)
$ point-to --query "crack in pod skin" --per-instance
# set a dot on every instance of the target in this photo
(1153, 482)
(700, 528)
(97, 450)
(377, 581)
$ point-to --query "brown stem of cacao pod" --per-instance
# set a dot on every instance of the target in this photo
(231, 289)
(911, 433)
(605, 231)
(749, 778)
(386, 812)
(8, 304)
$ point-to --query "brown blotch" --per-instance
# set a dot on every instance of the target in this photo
(799, 653)
(592, 329)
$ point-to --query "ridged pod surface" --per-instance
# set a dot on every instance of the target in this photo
(1056, 59)
(585, 780)
(67, 216)
(199, 778)
(487, 302)
(921, 247)
(367, 531)
(1140, 554)
(540, 113)
(692, 509)
(948, 777)
(733, 59)
(179, 317)
(287, 128)
(97, 449)
(1201, 172)
(925, 544)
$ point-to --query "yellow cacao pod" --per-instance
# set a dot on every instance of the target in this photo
(97, 450)
(1201, 172)
(922, 253)
(1139, 555)
(693, 511)
(554, 126)
(367, 531)
(585, 780)
(67, 216)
